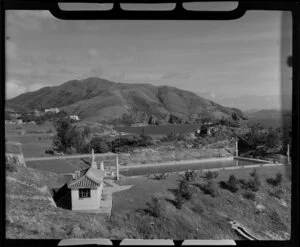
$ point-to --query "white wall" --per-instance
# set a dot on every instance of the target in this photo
(86, 203)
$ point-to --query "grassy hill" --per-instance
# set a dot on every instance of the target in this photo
(30, 214)
(98, 99)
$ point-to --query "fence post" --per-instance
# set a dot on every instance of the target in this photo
(288, 153)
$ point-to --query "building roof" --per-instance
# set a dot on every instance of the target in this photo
(89, 178)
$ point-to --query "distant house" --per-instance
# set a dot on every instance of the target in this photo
(74, 117)
(53, 110)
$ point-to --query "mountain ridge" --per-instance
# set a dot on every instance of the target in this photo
(99, 99)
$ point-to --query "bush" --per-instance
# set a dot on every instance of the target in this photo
(182, 194)
(160, 176)
(275, 181)
(276, 193)
(179, 200)
(210, 188)
(154, 207)
(254, 182)
(70, 150)
(185, 190)
(49, 151)
(231, 184)
(190, 176)
(249, 195)
(210, 175)
(10, 165)
(99, 145)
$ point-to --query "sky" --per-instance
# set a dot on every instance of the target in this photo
(238, 57)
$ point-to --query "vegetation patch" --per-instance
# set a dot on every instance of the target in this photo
(275, 181)
(249, 195)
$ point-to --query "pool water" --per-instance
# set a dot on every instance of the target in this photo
(183, 167)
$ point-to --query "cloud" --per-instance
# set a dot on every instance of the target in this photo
(40, 14)
(93, 53)
(14, 88)
(11, 50)
(175, 75)
(29, 20)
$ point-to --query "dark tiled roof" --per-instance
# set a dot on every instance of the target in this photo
(89, 178)
(83, 182)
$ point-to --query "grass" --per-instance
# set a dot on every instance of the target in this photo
(202, 216)
(207, 213)
(35, 140)
(58, 166)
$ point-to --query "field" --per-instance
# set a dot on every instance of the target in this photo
(58, 166)
(34, 139)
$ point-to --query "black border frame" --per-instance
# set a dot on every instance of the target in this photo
(177, 14)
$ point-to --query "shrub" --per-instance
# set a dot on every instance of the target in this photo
(276, 193)
(154, 207)
(210, 188)
(249, 195)
(182, 193)
(179, 200)
(254, 182)
(70, 150)
(185, 190)
(275, 181)
(160, 176)
(49, 151)
(210, 175)
(10, 165)
(190, 176)
(99, 145)
(231, 184)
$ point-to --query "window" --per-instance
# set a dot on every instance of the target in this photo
(84, 193)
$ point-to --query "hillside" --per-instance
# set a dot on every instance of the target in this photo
(31, 212)
(96, 99)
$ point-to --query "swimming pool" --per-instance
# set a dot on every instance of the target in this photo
(136, 171)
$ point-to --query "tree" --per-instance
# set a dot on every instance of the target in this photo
(173, 119)
(66, 135)
(99, 145)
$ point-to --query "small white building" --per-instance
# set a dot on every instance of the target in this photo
(86, 190)
(53, 110)
(74, 117)
(87, 185)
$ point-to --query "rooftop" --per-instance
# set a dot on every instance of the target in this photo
(89, 178)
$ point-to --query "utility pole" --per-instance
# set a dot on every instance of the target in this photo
(117, 166)
(236, 149)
